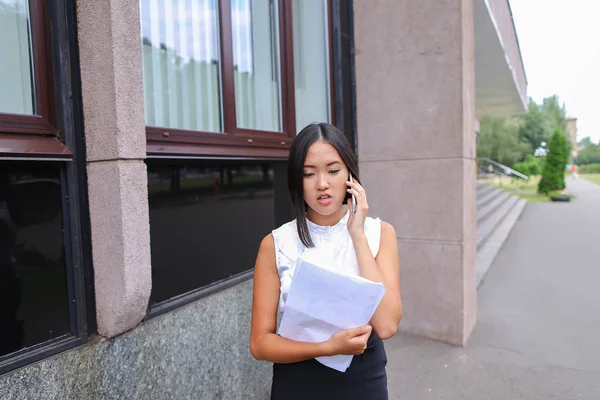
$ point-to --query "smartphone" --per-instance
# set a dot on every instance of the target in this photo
(351, 195)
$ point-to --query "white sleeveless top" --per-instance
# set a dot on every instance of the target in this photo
(333, 249)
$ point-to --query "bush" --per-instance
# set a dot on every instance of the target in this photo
(531, 166)
(553, 175)
(522, 167)
(589, 169)
(589, 155)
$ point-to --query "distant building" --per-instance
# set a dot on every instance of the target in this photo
(572, 135)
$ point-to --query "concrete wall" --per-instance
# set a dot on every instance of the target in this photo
(199, 351)
(113, 109)
(416, 139)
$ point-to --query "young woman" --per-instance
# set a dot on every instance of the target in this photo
(320, 164)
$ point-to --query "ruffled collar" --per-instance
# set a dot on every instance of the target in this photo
(320, 229)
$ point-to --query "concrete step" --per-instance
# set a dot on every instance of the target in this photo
(483, 189)
(489, 196)
(494, 214)
(481, 184)
(490, 248)
(490, 207)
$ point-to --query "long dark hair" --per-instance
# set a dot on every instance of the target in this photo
(306, 137)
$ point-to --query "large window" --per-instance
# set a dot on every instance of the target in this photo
(227, 85)
(33, 279)
(44, 275)
(220, 79)
(206, 221)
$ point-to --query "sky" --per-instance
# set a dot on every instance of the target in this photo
(559, 42)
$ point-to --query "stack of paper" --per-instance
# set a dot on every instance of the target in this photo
(322, 302)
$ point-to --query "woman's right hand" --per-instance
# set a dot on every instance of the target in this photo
(350, 341)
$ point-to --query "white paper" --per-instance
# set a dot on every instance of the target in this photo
(322, 302)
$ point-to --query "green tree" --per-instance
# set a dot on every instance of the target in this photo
(536, 126)
(556, 112)
(542, 120)
(499, 140)
(586, 141)
(588, 155)
(553, 174)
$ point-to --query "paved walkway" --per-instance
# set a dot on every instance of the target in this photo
(538, 330)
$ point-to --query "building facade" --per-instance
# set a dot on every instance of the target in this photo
(142, 159)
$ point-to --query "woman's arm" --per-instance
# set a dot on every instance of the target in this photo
(265, 344)
(384, 268)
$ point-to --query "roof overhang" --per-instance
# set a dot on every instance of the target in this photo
(500, 81)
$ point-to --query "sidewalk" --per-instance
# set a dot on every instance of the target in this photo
(538, 329)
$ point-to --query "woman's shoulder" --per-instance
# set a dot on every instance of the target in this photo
(387, 228)
(286, 233)
(283, 233)
(373, 226)
(378, 231)
(288, 228)
(376, 222)
(287, 244)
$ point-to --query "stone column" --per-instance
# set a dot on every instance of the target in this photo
(415, 88)
(113, 108)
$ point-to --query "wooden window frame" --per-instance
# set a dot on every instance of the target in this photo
(235, 141)
(36, 136)
(43, 121)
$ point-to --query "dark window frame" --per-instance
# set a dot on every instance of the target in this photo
(235, 141)
(62, 57)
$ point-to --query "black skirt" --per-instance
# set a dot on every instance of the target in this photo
(364, 379)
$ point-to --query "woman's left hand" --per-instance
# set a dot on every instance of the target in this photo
(356, 221)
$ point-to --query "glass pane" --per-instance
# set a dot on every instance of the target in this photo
(16, 67)
(255, 29)
(206, 222)
(182, 64)
(311, 62)
(33, 283)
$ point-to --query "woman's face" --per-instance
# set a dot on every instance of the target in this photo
(325, 177)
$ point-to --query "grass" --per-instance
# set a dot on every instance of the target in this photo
(595, 178)
(524, 189)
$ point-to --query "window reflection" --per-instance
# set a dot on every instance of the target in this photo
(181, 62)
(16, 68)
(206, 223)
(256, 58)
(33, 292)
(311, 61)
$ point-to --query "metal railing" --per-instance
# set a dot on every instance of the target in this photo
(488, 167)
